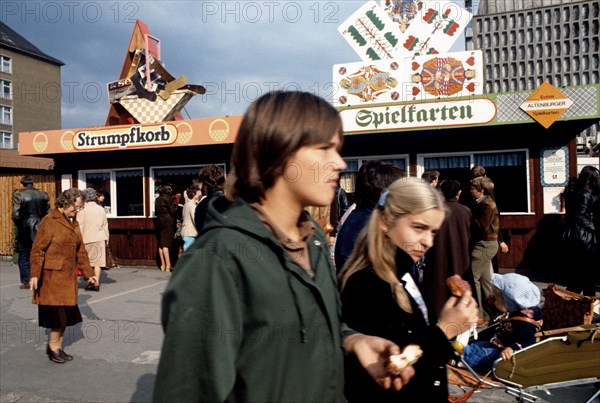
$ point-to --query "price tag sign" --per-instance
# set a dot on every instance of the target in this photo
(554, 164)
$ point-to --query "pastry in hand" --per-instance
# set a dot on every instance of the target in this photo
(395, 363)
(457, 285)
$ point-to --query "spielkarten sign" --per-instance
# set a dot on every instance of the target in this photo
(418, 115)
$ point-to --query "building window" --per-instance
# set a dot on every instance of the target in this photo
(509, 170)
(123, 189)
(5, 64)
(6, 115)
(178, 177)
(5, 87)
(6, 140)
(586, 63)
(548, 17)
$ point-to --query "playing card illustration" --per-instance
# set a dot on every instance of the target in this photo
(435, 29)
(371, 33)
(358, 83)
(418, 78)
(402, 12)
(442, 76)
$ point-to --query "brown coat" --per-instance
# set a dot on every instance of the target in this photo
(450, 254)
(57, 250)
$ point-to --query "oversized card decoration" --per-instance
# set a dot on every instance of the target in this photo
(361, 83)
(448, 75)
(402, 12)
(451, 75)
(435, 29)
(371, 33)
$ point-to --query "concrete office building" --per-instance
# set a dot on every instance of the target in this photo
(527, 42)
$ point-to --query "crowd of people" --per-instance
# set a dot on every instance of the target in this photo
(258, 309)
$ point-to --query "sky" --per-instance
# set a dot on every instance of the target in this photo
(238, 50)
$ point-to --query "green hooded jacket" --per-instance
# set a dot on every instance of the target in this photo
(245, 323)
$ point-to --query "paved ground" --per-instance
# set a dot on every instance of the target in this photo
(117, 346)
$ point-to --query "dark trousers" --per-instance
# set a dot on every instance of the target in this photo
(24, 263)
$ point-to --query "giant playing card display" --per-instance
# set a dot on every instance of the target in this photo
(436, 27)
(418, 78)
(402, 12)
(371, 33)
(455, 74)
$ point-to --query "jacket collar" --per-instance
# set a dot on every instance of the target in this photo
(61, 219)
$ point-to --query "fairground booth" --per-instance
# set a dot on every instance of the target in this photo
(420, 111)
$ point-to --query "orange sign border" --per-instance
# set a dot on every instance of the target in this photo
(194, 132)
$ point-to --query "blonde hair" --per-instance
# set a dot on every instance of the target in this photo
(374, 249)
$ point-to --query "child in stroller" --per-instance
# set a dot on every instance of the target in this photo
(518, 299)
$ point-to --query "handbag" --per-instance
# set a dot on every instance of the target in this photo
(178, 233)
(111, 259)
(564, 308)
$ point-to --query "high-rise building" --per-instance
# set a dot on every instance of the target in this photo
(527, 42)
(29, 88)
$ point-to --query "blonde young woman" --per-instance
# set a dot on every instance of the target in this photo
(382, 295)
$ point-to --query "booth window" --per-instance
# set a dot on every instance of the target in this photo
(348, 176)
(123, 190)
(509, 170)
(179, 178)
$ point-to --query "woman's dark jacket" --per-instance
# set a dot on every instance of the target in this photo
(579, 218)
(368, 306)
(165, 210)
(348, 234)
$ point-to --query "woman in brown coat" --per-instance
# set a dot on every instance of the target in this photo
(57, 250)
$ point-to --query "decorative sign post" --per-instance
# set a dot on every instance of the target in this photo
(546, 104)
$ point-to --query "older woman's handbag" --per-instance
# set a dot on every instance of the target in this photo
(111, 259)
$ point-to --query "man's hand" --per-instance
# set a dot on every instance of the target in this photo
(33, 283)
(503, 247)
(372, 352)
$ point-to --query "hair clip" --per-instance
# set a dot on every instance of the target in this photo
(382, 198)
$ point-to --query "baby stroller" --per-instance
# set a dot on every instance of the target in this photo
(565, 356)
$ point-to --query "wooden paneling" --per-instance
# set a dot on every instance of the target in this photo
(133, 241)
(9, 184)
